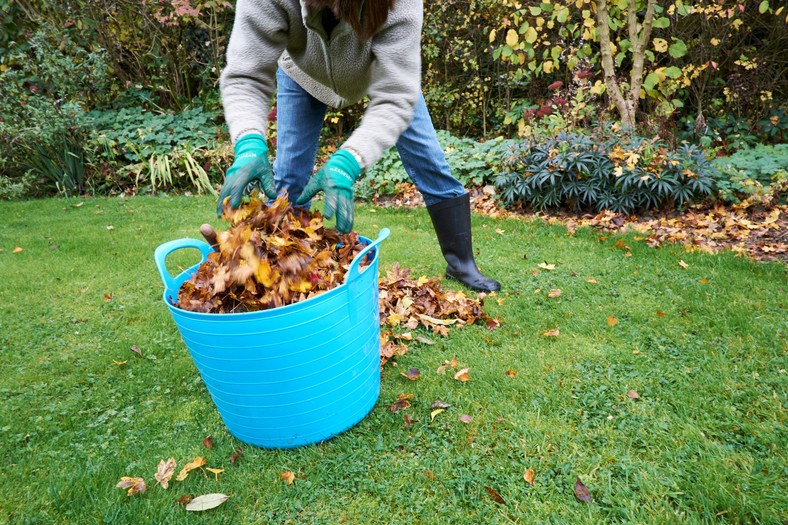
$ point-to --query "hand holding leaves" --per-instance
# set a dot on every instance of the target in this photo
(251, 164)
(336, 180)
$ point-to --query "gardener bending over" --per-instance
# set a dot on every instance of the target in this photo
(335, 52)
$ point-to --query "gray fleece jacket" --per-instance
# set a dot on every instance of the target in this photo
(338, 71)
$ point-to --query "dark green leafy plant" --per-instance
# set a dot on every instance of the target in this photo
(602, 170)
(757, 171)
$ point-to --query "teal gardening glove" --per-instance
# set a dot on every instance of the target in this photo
(336, 179)
(251, 164)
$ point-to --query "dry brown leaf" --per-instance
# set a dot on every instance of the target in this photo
(631, 394)
(135, 485)
(235, 456)
(511, 373)
(412, 374)
(165, 471)
(465, 418)
(439, 404)
(494, 495)
(462, 375)
(185, 499)
(553, 332)
(136, 350)
(592, 281)
(207, 442)
(612, 321)
(555, 292)
(581, 492)
(529, 476)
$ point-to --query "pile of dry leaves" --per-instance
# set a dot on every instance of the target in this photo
(271, 256)
(406, 304)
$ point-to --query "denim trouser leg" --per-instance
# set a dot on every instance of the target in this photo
(424, 160)
(299, 119)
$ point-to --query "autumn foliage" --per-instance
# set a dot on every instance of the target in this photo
(271, 256)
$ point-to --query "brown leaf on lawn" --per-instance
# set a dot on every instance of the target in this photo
(529, 476)
(207, 442)
(511, 373)
(546, 266)
(553, 332)
(683, 264)
(494, 495)
(196, 463)
(612, 321)
(235, 456)
(660, 314)
(492, 324)
(108, 297)
(412, 374)
(429, 475)
(453, 362)
(462, 375)
(465, 418)
(166, 469)
(17, 250)
(206, 501)
(631, 394)
(704, 281)
(288, 476)
(581, 492)
(135, 485)
(401, 403)
(439, 404)
(186, 498)
(135, 349)
(592, 281)
(555, 292)
(409, 421)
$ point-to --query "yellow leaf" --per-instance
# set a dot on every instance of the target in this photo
(553, 332)
(529, 476)
(288, 476)
(531, 35)
(612, 321)
(462, 375)
(555, 292)
(661, 45)
(215, 471)
(394, 319)
(715, 41)
(594, 281)
(512, 38)
(17, 250)
(547, 66)
(492, 36)
(198, 462)
(135, 485)
(683, 264)
(546, 266)
(435, 413)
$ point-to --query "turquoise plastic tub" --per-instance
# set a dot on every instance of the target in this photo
(293, 375)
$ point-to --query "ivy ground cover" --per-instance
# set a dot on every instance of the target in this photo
(655, 376)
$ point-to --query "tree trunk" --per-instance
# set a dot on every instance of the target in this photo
(626, 101)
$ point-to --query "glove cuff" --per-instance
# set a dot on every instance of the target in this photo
(346, 161)
(251, 143)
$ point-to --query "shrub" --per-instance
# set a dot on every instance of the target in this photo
(602, 170)
(759, 172)
(471, 162)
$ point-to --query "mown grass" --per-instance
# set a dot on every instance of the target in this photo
(704, 443)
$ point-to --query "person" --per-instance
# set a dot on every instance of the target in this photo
(320, 53)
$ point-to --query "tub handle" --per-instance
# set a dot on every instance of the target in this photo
(353, 272)
(161, 253)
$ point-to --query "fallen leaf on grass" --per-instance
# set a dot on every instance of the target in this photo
(135, 349)
(208, 442)
(412, 374)
(108, 297)
(462, 375)
(439, 404)
(499, 231)
(704, 281)
(494, 495)
(288, 476)
(631, 394)
(118, 363)
(198, 462)
(166, 469)
(17, 250)
(110, 227)
(215, 471)
(424, 340)
(465, 418)
(409, 421)
(555, 292)
(134, 485)
(553, 332)
(529, 476)
(581, 492)
(592, 281)
(511, 373)
(683, 264)
(235, 455)
(492, 324)
(435, 413)
(660, 314)
(546, 266)
(206, 502)
(185, 499)
(401, 403)
(612, 321)
(429, 475)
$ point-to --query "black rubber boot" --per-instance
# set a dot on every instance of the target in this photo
(452, 221)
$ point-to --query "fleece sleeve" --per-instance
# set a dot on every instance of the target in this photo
(395, 85)
(248, 82)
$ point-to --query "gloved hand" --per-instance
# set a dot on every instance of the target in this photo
(336, 179)
(251, 163)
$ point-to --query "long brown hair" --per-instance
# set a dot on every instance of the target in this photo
(366, 17)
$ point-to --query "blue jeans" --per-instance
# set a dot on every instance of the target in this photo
(299, 120)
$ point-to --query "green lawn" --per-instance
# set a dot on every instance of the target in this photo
(705, 442)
